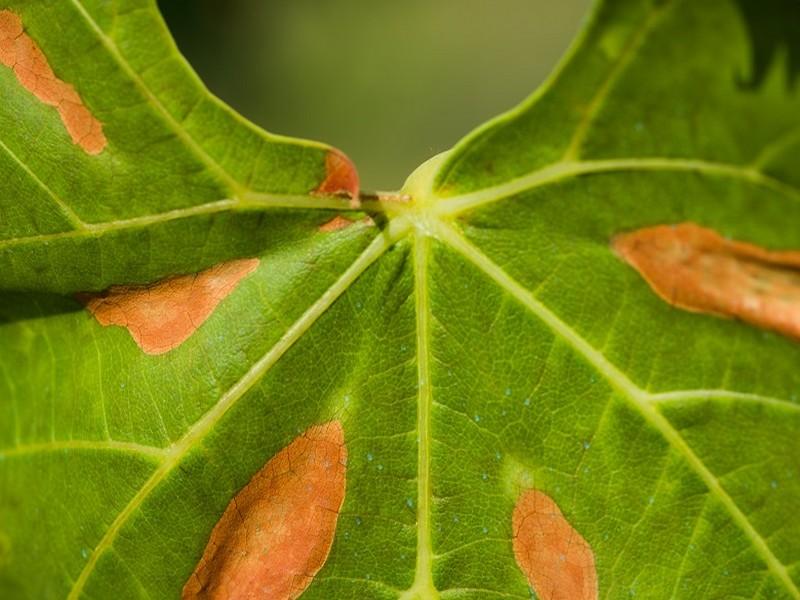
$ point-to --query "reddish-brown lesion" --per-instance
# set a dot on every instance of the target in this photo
(696, 269)
(161, 316)
(341, 177)
(557, 562)
(21, 54)
(277, 532)
(339, 222)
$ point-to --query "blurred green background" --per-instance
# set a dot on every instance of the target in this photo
(389, 82)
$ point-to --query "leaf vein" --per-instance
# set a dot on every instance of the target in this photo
(623, 61)
(639, 399)
(91, 445)
(180, 449)
(563, 171)
(65, 210)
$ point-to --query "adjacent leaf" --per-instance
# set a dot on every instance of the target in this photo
(480, 342)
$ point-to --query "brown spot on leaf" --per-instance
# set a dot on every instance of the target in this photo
(696, 269)
(338, 222)
(341, 177)
(556, 560)
(21, 54)
(276, 534)
(163, 315)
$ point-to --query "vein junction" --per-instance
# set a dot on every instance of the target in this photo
(427, 219)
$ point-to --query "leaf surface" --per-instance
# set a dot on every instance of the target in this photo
(182, 182)
(481, 343)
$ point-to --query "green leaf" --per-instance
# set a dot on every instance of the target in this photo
(483, 339)
(183, 182)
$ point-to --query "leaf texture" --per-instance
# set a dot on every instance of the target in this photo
(182, 180)
(480, 343)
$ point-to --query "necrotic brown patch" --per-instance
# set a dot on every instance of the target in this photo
(163, 315)
(277, 532)
(338, 223)
(21, 54)
(341, 177)
(556, 560)
(696, 269)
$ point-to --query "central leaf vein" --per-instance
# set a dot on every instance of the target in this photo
(423, 586)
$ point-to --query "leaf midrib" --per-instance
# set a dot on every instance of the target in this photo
(423, 585)
(251, 201)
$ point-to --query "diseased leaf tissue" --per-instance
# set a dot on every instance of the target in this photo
(564, 367)
(20, 53)
(162, 316)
